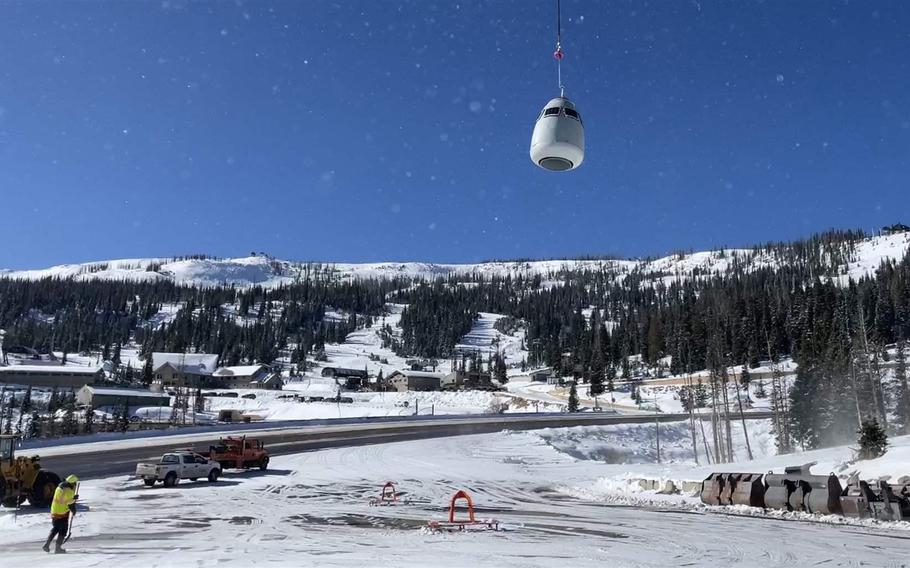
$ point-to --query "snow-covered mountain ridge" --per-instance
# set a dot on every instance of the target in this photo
(265, 271)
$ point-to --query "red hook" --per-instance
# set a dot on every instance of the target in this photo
(558, 54)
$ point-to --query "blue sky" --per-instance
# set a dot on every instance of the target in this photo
(380, 130)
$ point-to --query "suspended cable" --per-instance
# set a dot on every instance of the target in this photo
(558, 140)
(558, 54)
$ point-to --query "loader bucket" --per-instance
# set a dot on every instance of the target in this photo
(799, 490)
(726, 493)
(712, 487)
(823, 495)
(777, 494)
(749, 491)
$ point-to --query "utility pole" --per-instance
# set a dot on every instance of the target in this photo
(184, 399)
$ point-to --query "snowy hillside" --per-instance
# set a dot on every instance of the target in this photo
(269, 272)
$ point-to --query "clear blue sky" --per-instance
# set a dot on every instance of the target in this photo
(379, 130)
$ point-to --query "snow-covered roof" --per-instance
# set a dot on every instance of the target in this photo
(239, 371)
(539, 370)
(420, 374)
(126, 392)
(199, 363)
(51, 369)
(339, 370)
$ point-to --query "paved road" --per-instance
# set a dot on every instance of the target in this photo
(122, 460)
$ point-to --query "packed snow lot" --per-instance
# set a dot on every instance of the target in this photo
(312, 510)
(268, 406)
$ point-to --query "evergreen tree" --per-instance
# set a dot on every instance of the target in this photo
(88, 420)
(8, 419)
(34, 425)
(701, 395)
(902, 394)
(27, 400)
(745, 377)
(124, 422)
(69, 425)
(53, 403)
(499, 372)
(147, 372)
(3, 403)
(573, 398)
(598, 370)
(687, 399)
(873, 441)
(199, 401)
(760, 392)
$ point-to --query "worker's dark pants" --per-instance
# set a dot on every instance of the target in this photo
(60, 526)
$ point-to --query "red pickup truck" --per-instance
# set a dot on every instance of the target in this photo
(240, 453)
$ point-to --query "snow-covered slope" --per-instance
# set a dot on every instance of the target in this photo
(269, 272)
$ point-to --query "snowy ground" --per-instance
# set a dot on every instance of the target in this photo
(559, 503)
(268, 406)
(485, 339)
(270, 272)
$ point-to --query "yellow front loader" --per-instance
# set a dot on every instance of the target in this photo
(22, 478)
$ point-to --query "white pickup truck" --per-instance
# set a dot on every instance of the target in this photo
(174, 466)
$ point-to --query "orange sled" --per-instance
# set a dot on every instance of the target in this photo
(471, 523)
(388, 496)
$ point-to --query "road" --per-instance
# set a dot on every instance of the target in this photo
(94, 460)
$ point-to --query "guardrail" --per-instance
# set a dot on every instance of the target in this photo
(564, 419)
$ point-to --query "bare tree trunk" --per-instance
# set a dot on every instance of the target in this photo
(780, 427)
(876, 401)
(692, 416)
(718, 448)
(728, 431)
(859, 414)
(742, 418)
(878, 383)
(704, 439)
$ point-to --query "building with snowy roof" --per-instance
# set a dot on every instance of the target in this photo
(541, 375)
(354, 379)
(183, 369)
(245, 377)
(98, 397)
(403, 381)
(49, 376)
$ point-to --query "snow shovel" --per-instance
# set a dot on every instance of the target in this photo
(18, 501)
(69, 530)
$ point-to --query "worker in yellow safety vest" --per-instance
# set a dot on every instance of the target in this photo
(63, 504)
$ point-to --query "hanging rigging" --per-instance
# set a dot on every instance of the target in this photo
(558, 141)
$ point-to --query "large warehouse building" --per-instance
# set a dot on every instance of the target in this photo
(102, 397)
(49, 376)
